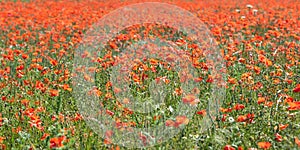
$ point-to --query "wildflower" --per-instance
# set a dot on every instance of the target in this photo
(225, 110)
(269, 104)
(239, 107)
(169, 123)
(1, 120)
(224, 117)
(264, 145)
(297, 88)
(297, 141)
(294, 106)
(108, 133)
(231, 119)
(255, 11)
(282, 126)
(57, 142)
(2, 139)
(25, 102)
(67, 87)
(54, 93)
(45, 136)
(261, 100)
(170, 109)
(35, 121)
(53, 62)
(209, 79)
(77, 117)
(228, 147)
(181, 120)
(117, 90)
(288, 99)
(156, 118)
(191, 99)
(2, 146)
(202, 112)
(241, 118)
(126, 101)
(178, 91)
(250, 117)
(249, 6)
(232, 80)
(198, 79)
(107, 141)
(278, 137)
(25, 56)
(109, 112)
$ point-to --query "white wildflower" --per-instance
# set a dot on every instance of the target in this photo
(249, 6)
(171, 109)
(231, 119)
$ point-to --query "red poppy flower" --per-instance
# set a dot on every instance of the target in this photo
(297, 141)
(241, 118)
(54, 93)
(202, 112)
(169, 123)
(297, 88)
(57, 142)
(294, 105)
(264, 145)
(261, 100)
(228, 147)
(190, 99)
(239, 106)
(45, 136)
(282, 126)
(278, 137)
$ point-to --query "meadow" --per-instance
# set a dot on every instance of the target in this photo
(258, 40)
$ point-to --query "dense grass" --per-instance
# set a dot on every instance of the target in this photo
(259, 43)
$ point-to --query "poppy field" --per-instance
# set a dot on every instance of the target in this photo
(43, 94)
